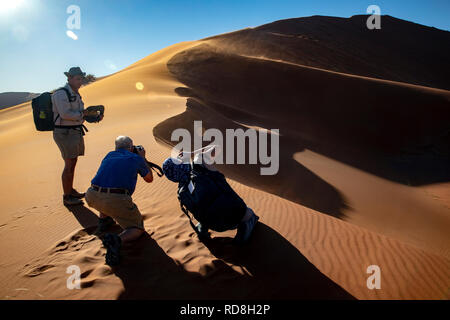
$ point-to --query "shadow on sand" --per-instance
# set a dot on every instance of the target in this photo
(276, 270)
(85, 217)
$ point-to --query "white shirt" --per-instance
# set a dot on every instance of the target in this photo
(70, 113)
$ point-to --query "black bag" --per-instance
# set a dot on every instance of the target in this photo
(213, 202)
(43, 110)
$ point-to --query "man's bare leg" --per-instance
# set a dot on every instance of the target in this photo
(68, 174)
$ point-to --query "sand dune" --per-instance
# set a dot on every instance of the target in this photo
(8, 99)
(363, 181)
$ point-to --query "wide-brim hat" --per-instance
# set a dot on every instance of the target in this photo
(75, 71)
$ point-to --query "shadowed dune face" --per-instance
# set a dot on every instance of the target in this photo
(315, 105)
(400, 51)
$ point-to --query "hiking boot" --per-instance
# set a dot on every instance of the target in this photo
(104, 224)
(112, 243)
(76, 194)
(245, 230)
(70, 200)
(202, 232)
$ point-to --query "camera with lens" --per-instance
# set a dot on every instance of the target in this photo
(137, 149)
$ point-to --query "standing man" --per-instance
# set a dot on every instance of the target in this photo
(111, 191)
(68, 109)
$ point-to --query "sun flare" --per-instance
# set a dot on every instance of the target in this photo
(8, 5)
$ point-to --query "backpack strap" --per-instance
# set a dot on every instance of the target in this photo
(71, 99)
(186, 212)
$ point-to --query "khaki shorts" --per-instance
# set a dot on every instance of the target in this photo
(120, 207)
(70, 142)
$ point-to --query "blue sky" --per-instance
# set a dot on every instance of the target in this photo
(35, 50)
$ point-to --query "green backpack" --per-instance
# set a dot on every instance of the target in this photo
(43, 110)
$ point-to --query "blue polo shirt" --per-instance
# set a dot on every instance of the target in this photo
(119, 169)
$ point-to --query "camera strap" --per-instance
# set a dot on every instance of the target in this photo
(155, 168)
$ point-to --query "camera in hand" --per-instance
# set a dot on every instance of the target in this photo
(153, 166)
(137, 149)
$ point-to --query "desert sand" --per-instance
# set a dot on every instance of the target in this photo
(363, 180)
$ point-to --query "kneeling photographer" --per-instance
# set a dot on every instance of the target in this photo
(111, 191)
